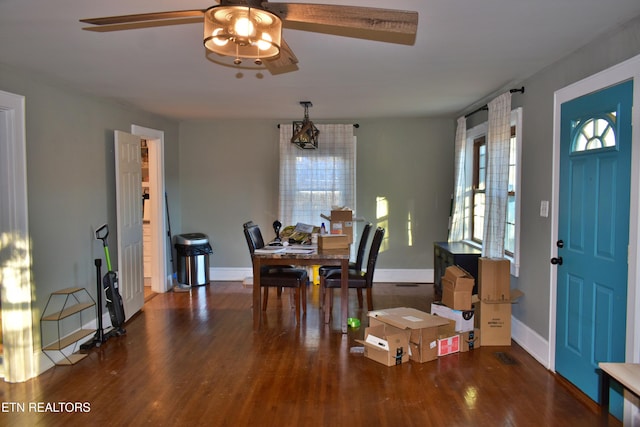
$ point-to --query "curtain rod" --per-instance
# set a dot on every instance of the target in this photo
(355, 125)
(485, 107)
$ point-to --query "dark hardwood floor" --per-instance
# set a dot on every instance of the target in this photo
(191, 358)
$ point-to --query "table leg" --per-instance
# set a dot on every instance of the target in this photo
(257, 303)
(605, 380)
(344, 294)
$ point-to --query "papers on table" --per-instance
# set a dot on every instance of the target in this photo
(270, 250)
(296, 249)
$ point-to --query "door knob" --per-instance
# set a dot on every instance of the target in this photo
(556, 261)
(560, 243)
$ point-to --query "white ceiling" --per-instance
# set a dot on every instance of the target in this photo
(464, 51)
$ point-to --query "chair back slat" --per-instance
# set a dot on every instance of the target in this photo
(373, 255)
(362, 247)
(254, 236)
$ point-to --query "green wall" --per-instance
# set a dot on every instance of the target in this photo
(229, 175)
(71, 176)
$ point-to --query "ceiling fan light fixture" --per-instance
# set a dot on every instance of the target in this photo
(253, 33)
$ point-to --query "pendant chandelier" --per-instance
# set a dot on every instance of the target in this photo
(305, 134)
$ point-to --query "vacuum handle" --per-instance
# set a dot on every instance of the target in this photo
(102, 233)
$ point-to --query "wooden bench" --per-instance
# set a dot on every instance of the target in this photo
(627, 374)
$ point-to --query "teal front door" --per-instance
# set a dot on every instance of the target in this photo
(593, 233)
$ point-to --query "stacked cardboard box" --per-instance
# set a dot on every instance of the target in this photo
(457, 305)
(457, 286)
(496, 297)
(334, 244)
(341, 222)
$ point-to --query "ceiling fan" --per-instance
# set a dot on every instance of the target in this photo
(252, 29)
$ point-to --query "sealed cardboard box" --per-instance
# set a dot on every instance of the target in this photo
(469, 340)
(464, 318)
(448, 345)
(334, 244)
(386, 344)
(494, 279)
(424, 329)
(494, 321)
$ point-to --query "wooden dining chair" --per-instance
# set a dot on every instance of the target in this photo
(277, 276)
(358, 279)
(324, 270)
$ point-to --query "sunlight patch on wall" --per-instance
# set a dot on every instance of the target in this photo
(382, 220)
(15, 272)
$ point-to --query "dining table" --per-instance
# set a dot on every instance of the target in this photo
(299, 256)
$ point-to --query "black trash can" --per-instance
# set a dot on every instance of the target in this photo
(193, 258)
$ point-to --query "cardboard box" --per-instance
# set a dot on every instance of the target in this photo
(494, 279)
(342, 222)
(386, 344)
(469, 340)
(334, 244)
(464, 319)
(424, 329)
(494, 321)
(448, 345)
(457, 286)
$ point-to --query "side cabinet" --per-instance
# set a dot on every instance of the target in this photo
(66, 312)
(462, 254)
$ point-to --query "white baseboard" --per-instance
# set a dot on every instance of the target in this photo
(381, 275)
(531, 341)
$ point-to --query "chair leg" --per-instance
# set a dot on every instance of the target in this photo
(303, 296)
(322, 291)
(265, 297)
(370, 299)
(297, 298)
(359, 297)
(279, 291)
(328, 299)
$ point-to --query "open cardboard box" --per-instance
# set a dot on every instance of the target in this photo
(341, 222)
(494, 279)
(457, 286)
(386, 344)
(423, 328)
(494, 320)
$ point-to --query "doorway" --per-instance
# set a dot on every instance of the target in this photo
(18, 354)
(159, 278)
(595, 164)
(559, 298)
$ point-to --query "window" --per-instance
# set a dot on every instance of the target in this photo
(312, 181)
(594, 133)
(476, 165)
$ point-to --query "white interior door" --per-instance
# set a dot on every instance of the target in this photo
(129, 218)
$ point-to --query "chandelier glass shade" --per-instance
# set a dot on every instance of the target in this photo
(242, 32)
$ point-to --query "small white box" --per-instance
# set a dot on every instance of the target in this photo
(464, 319)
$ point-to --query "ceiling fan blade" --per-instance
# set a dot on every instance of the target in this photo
(143, 24)
(144, 17)
(283, 63)
(394, 26)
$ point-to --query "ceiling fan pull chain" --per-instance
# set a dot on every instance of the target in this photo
(237, 61)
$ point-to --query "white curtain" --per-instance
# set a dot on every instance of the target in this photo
(312, 181)
(456, 228)
(497, 179)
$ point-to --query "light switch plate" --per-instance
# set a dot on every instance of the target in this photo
(544, 208)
